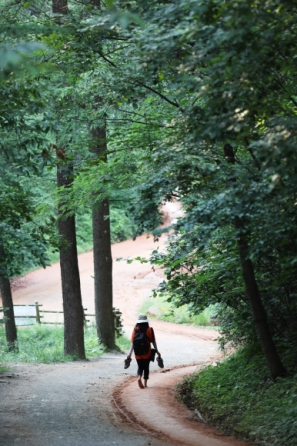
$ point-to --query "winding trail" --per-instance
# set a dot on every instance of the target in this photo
(97, 402)
(168, 418)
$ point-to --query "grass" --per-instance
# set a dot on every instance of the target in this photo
(44, 344)
(238, 397)
(159, 308)
(123, 343)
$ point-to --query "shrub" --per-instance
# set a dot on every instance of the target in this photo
(238, 397)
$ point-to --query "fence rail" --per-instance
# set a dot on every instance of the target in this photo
(31, 314)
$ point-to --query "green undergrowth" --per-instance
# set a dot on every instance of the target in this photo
(238, 397)
(44, 344)
(159, 308)
(123, 343)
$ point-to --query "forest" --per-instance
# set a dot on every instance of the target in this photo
(111, 108)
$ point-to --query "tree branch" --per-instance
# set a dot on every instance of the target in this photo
(175, 104)
(256, 161)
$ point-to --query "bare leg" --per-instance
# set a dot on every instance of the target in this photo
(145, 383)
(140, 382)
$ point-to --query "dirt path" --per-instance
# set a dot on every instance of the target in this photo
(86, 403)
(65, 404)
(167, 417)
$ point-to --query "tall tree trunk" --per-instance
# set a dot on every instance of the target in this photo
(102, 255)
(103, 275)
(259, 313)
(72, 301)
(102, 247)
(271, 355)
(10, 327)
(71, 291)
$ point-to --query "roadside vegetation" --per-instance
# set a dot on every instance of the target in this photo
(238, 397)
(160, 308)
(44, 344)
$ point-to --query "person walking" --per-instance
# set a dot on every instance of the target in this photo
(142, 337)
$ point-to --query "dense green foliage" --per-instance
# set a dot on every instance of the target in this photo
(227, 69)
(37, 133)
(238, 397)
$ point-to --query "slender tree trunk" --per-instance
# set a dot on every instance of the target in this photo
(10, 327)
(102, 248)
(103, 275)
(72, 301)
(71, 291)
(102, 256)
(274, 363)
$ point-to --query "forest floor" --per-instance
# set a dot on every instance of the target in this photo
(97, 402)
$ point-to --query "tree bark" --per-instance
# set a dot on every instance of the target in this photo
(5, 288)
(102, 248)
(103, 275)
(72, 301)
(274, 363)
(71, 291)
(60, 6)
(102, 255)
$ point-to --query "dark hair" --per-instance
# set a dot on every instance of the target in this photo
(142, 326)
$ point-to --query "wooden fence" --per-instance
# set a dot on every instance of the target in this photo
(32, 314)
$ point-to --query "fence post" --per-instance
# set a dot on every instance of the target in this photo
(37, 313)
(117, 322)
